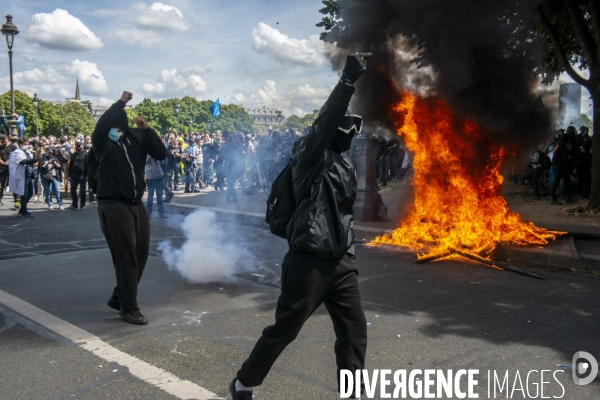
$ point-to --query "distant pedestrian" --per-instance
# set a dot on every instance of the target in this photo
(77, 176)
(20, 177)
(19, 120)
(154, 180)
(49, 167)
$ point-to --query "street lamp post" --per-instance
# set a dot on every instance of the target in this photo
(9, 30)
(36, 102)
(191, 123)
(177, 110)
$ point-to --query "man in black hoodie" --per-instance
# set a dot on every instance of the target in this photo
(120, 187)
(318, 268)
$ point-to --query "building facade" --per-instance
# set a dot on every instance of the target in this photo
(266, 116)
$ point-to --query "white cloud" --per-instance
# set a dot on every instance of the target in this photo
(146, 24)
(307, 98)
(58, 80)
(142, 37)
(159, 16)
(186, 81)
(300, 101)
(62, 31)
(268, 93)
(91, 79)
(287, 50)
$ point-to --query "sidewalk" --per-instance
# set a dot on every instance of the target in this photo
(560, 254)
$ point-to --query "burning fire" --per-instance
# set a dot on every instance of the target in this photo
(457, 207)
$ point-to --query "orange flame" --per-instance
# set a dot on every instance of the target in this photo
(457, 201)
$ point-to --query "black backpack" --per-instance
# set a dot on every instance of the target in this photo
(545, 161)
(281, 204)
(63, 155)
(93, 163)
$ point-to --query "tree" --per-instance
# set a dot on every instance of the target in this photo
(293, 123)
(23, 106)
(161, 115)
(77, 117)
(572, 32)
(50, 122)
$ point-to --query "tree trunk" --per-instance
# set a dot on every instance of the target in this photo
(594, 202)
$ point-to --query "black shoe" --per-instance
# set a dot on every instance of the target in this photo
(72, 207)
(571, 201)
(239, 394)
(535, 198)
(112, 303)
(187, 191)
(163, 216)
(555, 203)
(133, 317)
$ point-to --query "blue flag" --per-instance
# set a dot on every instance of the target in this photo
(215, 109)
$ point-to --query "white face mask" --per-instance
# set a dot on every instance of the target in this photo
(24, 147)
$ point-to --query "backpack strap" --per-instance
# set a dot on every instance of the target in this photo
(106, 149)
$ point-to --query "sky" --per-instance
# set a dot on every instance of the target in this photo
(253, 53)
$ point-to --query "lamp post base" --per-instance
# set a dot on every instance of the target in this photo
(368, 206)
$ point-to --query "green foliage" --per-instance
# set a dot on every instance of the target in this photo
(161, 116)
(23, 106)
(559, 17)
(49, 119)
(295, 123)
(331, 18)
(77, 117)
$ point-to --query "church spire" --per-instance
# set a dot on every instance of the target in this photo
(77, 94)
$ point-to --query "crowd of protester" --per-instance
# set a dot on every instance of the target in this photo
(565, 157)
(194, 161)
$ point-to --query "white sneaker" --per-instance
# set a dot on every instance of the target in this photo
(50, 207)
(61, 207)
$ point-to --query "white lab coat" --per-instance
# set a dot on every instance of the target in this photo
(16, 171)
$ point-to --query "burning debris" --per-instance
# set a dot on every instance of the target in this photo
(458, 209)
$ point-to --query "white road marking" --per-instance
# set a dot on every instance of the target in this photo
(146, 372)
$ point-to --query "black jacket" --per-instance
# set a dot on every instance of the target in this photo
(121, 176)
(323, 221)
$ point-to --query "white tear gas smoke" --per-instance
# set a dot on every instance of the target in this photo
(208, 254)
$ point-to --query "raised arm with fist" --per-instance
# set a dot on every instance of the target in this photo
(126, 96)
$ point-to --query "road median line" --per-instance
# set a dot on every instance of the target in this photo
(148, 373)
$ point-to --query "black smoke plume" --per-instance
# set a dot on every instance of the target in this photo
(481, 55)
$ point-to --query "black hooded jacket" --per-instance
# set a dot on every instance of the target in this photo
(323, 222)
(122, 175)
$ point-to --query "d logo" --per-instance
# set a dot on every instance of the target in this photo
(584, 363)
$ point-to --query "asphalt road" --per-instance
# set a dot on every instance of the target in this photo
(446, 315)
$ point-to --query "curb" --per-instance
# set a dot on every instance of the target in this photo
(528, 255)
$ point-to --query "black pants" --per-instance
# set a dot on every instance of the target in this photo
(166, 183)
(26, 195)
(561, 173)
(126, 228)
(3, 183)
(536, 175)
(584, 176)
(306, 283)
(78, 181)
